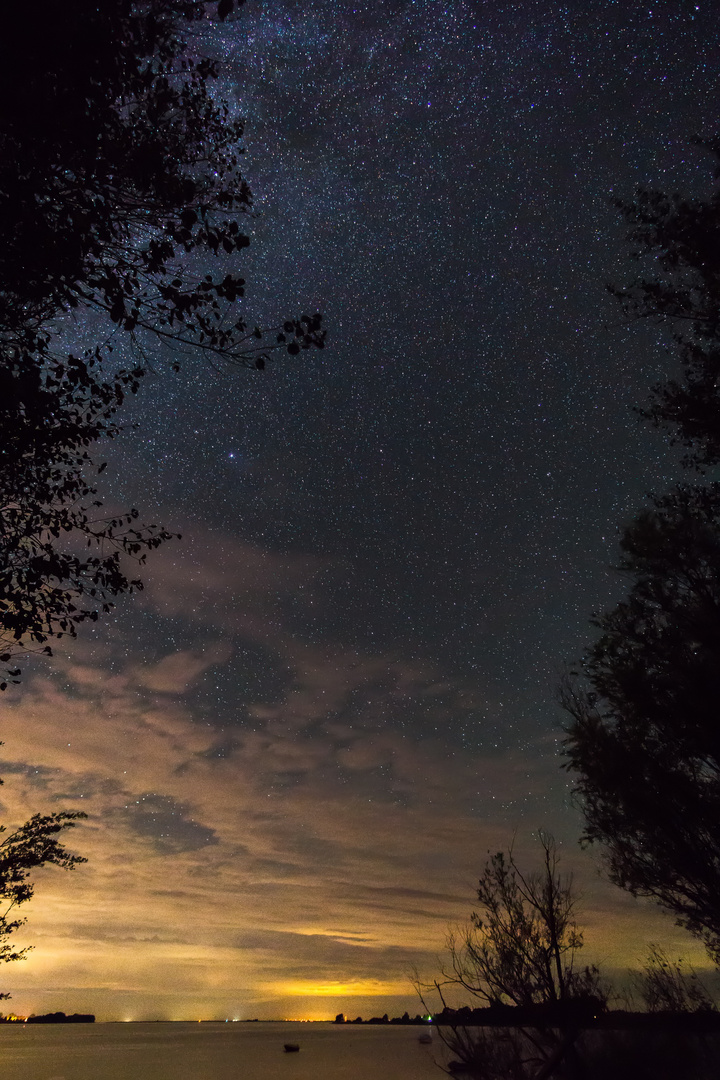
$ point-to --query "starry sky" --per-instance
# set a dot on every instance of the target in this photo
(337, 692)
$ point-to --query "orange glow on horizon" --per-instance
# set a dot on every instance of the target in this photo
(353, 988)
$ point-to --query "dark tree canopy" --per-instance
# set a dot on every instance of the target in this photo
(119, 177)
(645, 739)
(121, 196)
(678, 240)
(60, 558)
(31, 846)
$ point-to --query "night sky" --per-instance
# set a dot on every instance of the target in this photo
(337, 691)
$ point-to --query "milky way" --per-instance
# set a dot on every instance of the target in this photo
(337, 691)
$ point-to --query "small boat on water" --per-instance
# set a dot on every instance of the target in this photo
(425, 1039)
(291, 1048)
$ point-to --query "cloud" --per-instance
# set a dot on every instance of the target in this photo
(166, 822)
(313, 836)
(216, 580)
(177, 671)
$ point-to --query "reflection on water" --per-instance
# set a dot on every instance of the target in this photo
(242, 1051)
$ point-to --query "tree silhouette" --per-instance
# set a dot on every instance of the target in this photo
(121, 197)
(666, 985)
(60, 559)
(120, 177)
(520, 949)
(33, 845)
(644, 740)
(678, 239)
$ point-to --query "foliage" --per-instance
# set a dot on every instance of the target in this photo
(59, 559)
(680, 238)
(667, 985)
(119, 177)
(520, 949)
(33, 845)
(120, 187)
(644, 738)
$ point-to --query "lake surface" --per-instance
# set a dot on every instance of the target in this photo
(233, 1051)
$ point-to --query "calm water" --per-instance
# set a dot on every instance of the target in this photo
(214, 1052)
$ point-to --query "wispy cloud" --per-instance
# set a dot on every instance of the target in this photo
(315, 840)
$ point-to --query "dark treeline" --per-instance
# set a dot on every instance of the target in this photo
(516, 1016)
(50, 1018)
(384, 1019)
